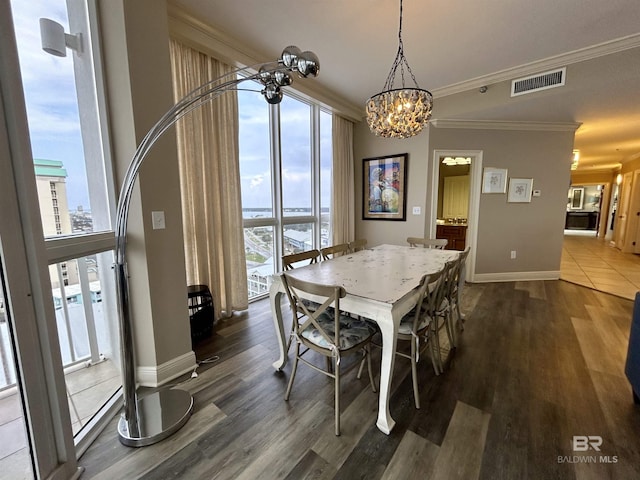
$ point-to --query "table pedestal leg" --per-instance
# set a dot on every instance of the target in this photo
(389, 337)
(275, 296)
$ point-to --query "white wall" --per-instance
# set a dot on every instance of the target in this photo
(367, 145)
(140, 92)
(534, 230)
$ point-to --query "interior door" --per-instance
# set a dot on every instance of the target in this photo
(456, 197)
(473, 200)
(634, 214)
(621, 221)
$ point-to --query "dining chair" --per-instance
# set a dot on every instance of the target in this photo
(419, 328)
(289, 262)
(443, 304)
(325, 331)
(357, 245)
(334, 251)
(439, 243)
(456, 291)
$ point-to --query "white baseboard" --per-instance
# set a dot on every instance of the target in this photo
(515, 276)
(159, 375)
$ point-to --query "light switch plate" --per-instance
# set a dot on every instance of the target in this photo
(157, 220)
(416, 210)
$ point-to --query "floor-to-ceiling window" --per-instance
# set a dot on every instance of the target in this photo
(63, 96)
(285, 168)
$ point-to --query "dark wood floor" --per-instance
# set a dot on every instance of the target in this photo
(537, 364)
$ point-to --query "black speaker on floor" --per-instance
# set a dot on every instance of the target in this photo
(201, 313)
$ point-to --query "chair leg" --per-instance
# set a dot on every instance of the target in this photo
(448, 323)
(461, 318)
(373, 383)
(337, 397)
(436, 347)
(286, 352)
(294, 369)
(414, 374)
(365, 354)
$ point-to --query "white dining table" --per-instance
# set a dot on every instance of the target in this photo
(381, 284)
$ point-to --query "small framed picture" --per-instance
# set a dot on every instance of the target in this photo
(520, 190)
(494, 180)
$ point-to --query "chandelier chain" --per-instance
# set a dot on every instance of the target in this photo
(399, 112)
(400, 61)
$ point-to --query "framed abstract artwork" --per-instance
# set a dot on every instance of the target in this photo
(384, 187)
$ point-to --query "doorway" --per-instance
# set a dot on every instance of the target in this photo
(455, 201)
(587, 206)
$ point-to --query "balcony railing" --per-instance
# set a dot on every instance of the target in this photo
(84, 332)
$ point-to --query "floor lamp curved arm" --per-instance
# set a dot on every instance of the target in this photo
(156, 416)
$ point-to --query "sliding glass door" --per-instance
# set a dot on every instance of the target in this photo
(15, 448)
(61, 196)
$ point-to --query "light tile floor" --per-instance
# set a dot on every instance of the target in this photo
(594, 263)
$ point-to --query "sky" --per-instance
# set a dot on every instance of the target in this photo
(295, 149)
(54, 125)
(50, 95)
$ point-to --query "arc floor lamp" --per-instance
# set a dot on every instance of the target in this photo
(156, 416)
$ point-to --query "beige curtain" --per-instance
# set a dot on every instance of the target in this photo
(210, 184)
(342, 196)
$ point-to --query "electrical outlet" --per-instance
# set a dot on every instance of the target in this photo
(157, 220)
(416, 210)
(513, 254)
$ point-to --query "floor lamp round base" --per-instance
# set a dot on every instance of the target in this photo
(160, 414)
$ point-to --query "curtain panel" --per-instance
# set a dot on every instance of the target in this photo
(208, 155)
(342, 192)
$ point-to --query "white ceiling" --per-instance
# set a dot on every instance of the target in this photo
(454, 47)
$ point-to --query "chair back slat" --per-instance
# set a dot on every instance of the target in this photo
(289, 261)
(357, 245)
(333, 251)
(439, 243)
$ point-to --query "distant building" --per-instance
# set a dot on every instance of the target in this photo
(298, 241)
(51, 183)
(258, 278)
(51, 178)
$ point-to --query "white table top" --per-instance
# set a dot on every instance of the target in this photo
(384, 273)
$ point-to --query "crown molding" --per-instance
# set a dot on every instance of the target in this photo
(506, 125)
(562, 60)
(191, 31)
(609, 169)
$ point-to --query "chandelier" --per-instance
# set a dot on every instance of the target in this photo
(399, 112)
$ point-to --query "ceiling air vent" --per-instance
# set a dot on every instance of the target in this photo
(541, 81)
